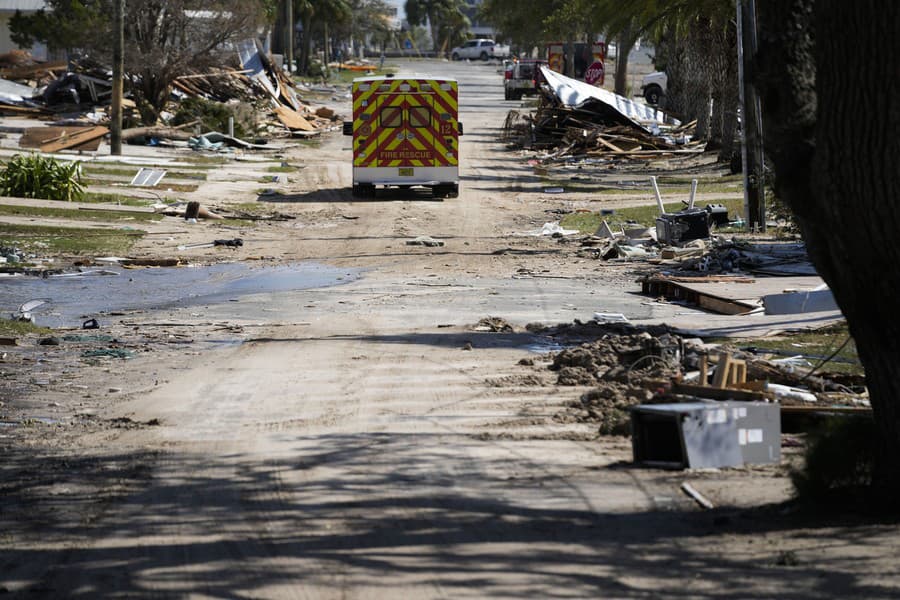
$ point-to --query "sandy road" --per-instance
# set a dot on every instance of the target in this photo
(354, 449)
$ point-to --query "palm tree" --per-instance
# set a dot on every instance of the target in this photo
(315, 16)
(442, 16)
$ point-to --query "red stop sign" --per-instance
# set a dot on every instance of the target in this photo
(594, 74)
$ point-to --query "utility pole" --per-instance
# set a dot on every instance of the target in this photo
(289, 35)
(752, 159)
(115, 109)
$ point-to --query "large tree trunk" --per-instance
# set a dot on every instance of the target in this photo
(623, 50)
(728, 103)
(828, 76)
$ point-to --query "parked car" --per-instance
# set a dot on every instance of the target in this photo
(482, 48)
(522, 78)
(653, 87)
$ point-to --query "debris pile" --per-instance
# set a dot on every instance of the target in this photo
(494, 325)
(626, 366)
(44, 90)
(574, 118)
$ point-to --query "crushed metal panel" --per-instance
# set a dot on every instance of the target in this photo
(572, 92)
(10, 91)
(706, 434)
(146, 177)
(249, 54)
(800, 301)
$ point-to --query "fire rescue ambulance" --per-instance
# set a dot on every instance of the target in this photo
(405, 133)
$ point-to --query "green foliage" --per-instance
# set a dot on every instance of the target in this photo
(839, 460)
(12, 328)
(77, 215)
(212, 115)
(446, 18)
(588, 222)
(63, 25)
(373, 18)
(164, 40)
(69, 240)
(38, 176)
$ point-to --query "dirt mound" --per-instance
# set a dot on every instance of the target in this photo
(607, 405)
(624, 369)
(618, 357)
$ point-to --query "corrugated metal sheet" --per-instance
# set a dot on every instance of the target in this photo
(10, 91)
(572, 92)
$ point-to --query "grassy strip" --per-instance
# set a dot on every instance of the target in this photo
(45, 240)
(10, 328)
(75, 214)
(130, 172)
(201, 161)
(282, 169)
(169, 187)
(642, 215)
(816, 343)
(607, 188)
(103, 198)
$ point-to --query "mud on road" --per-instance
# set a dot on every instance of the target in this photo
(369, 438)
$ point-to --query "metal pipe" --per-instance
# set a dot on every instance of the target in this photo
(693, 193)
(659, 202)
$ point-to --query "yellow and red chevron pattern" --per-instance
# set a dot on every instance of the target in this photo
(403, 122)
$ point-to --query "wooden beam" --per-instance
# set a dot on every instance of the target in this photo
(70, 140)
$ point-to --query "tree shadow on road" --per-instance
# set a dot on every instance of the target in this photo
(407, 515)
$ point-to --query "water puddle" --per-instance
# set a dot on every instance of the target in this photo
(74, 296)
(544, 346)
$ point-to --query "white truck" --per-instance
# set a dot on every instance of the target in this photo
(481, 48)
(654, 87)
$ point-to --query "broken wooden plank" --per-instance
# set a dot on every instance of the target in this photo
(753, 386)
(720, 377)
(35, 137)
(609, 144)
(715, 393)
(71, 140)
(22, 110)
(291, 119)
(214, 74)
(704, 369)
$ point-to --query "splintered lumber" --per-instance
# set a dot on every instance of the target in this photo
(22, 110)
(187, 88)
(37, 137)
(609, 144)
(30, 71)
(76, 138)
(213, 74)
(292, 119)
(729, 371)
(717, 393)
